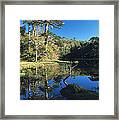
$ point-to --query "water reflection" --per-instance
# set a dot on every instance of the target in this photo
(59, 82)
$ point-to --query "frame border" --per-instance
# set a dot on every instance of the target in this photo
(2, 60)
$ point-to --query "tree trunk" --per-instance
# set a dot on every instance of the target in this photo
(35, 31)
(36, 45)
(36, 55)
(70, 70)
(29, 39)
(46, 86)
(46, 35)
(36, 70)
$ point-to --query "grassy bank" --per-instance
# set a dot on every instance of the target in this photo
(24, 64)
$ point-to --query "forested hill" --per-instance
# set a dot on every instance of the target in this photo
(86, 51)
(58, 48)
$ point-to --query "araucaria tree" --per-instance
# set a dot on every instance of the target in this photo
(50, 24)
(34, 33)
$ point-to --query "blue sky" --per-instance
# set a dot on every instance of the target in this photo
(78, 29)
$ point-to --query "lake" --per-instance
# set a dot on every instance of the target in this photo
(59, 81)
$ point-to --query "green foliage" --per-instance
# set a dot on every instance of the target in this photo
(44, 45)
(22, 31)
(86, 51)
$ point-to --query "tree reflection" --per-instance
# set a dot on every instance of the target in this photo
(35, 82)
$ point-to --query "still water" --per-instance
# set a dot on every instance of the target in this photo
(59, 81)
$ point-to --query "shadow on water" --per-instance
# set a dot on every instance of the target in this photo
(59, 81)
